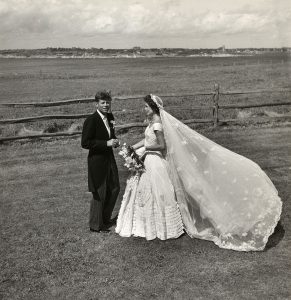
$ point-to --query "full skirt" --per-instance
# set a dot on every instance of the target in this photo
(149, 208)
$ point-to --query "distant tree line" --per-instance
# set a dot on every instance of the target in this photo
(135, 51)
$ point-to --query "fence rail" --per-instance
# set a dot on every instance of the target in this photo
(91, 99)
(215, 110)
(118, 128)
(125, 127)
(43, 118)
(242, 106)
(215, 107)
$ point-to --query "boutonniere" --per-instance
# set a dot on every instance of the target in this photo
(113, 123)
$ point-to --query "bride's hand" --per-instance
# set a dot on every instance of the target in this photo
(116, 143)
(141, 153)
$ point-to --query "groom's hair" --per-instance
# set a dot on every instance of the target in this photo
(103, 95)
(152, 104)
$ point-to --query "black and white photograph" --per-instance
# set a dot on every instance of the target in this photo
(145, 149)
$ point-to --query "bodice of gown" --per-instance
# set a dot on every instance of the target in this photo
(150, 136)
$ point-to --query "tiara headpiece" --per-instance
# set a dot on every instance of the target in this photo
(157, 100)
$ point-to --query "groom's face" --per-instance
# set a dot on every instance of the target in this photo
(103, 106)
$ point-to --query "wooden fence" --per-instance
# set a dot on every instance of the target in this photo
(216, 107)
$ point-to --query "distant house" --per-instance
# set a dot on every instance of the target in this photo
(221, 49)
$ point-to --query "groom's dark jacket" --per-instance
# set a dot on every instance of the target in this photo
(94, 138)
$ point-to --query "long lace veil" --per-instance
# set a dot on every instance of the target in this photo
(223, 197)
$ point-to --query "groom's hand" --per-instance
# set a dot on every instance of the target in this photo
(110, 143)
(113, 143)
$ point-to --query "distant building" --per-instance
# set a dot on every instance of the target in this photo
(221, 49)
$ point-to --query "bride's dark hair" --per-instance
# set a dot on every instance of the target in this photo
(151, 103)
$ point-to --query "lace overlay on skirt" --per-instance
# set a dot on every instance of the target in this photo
(149, 208)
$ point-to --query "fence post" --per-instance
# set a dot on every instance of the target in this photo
(215, 104)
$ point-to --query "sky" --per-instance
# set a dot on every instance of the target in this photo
(107, 24)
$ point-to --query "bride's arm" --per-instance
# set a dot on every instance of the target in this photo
(161, 145)
(138, 145)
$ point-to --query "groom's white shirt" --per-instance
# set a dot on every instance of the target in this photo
(105, 121)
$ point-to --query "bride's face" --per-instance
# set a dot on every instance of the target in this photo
(148, 111)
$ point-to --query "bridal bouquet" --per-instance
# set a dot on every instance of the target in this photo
(132, 160)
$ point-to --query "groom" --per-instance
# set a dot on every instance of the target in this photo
(99, 138)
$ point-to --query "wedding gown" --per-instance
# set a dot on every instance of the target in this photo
(222, 196)
(149, 208)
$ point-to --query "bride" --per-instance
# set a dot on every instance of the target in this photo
(193, 184)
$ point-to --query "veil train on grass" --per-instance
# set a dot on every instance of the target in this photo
(223, 197)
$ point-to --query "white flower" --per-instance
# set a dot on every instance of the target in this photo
(128, 159)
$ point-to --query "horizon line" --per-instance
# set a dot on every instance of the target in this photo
(145, 48)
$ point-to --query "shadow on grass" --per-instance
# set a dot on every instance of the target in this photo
(276, 237)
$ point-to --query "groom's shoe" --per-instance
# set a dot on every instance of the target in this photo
(102, 230)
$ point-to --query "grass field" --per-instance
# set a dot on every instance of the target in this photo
(55, 79)
(47, 251)
(24, 80)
